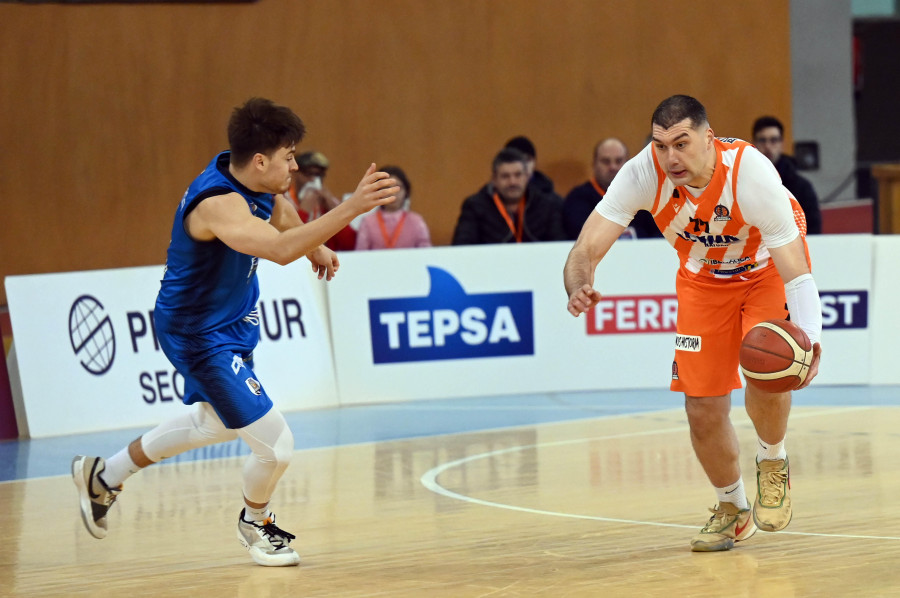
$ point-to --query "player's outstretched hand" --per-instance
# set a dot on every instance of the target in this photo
(375, 189)
(583, 299)
(813, 367)
(325, 262)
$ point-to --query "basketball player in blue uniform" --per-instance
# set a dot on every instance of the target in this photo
(233, 214)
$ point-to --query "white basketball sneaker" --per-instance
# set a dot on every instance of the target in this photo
(268, 544)
(94, 496)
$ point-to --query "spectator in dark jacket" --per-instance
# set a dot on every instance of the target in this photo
(609, 156)
(768, 137)
(536, 178)
(508, 209)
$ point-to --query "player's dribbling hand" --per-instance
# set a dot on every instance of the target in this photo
(375, 189)
(813, 367)
(583, 299)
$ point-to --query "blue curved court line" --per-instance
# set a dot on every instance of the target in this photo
(25, 459)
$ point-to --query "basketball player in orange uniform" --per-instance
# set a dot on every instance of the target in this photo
(741, 244)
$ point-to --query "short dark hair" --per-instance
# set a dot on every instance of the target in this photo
(397, 173)
(524, 145)
(508, 155)
(675, 109)
(260, 127)
(764, 122)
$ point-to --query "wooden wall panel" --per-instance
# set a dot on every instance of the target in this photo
(108, 111)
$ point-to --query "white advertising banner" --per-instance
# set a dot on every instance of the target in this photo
(842, 266)
(418, 324)
(488, 320)
(884, 330)
(88, 359)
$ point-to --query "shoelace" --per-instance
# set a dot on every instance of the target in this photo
(276, 536)
(108, 495)
(112, 495)
(772, 489)
(717, 521)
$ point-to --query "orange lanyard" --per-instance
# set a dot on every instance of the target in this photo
(509, 222)
(597, 186)
(390, 241)
(292, 194)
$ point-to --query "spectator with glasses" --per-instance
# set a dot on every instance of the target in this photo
(768, 137)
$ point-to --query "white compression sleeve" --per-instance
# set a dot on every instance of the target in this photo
(199, 427)
(272, 444)
(805, 306)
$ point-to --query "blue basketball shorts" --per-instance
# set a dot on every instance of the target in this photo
(218, 368)
(226, 381)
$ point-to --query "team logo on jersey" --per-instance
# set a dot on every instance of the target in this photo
(675, 200)
(674, 370)
(722, 214)
(254, 386)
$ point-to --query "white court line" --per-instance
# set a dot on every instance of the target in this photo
(429, 480)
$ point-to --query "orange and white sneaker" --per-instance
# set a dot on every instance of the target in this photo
(728, 525)
(772, 509)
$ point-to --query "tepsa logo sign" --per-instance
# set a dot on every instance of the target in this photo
(449, 323)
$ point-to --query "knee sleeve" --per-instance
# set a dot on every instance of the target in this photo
(200, 427)
(272, 444)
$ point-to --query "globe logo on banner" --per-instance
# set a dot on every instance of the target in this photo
(448, 323)
(91, 334)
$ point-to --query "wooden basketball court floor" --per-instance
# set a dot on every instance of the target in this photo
(589, 494)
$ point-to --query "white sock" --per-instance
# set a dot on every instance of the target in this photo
(770, 452)
(251, 514)
(734, 494)
(119, 468)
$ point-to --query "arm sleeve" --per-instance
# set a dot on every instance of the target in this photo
(633, 189)
(765, 202)
(805, 306)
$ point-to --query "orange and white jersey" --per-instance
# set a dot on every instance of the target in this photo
(721, 230)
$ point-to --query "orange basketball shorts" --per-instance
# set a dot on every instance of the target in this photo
(714, 314)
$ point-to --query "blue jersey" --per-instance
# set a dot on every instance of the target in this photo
(209, 288)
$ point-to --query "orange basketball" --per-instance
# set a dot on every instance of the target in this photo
(776, 355)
